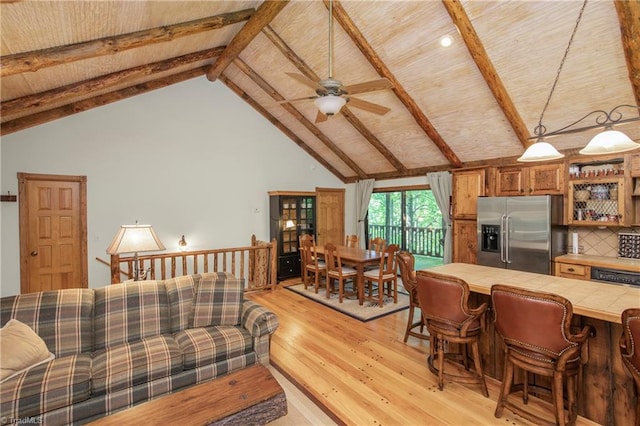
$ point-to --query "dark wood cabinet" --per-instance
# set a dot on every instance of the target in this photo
(292, 214)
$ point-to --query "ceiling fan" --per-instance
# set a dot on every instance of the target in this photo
(332, 95)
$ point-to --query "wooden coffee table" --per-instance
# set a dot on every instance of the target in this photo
(249, 396)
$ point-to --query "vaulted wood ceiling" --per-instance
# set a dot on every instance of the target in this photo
(477, 101)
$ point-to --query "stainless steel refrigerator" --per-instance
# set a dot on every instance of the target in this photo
(521, 233)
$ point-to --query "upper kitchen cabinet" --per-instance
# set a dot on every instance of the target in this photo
(468, 185)
(544, 179)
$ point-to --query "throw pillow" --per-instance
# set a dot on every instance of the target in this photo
(20, 349)
(218, 301)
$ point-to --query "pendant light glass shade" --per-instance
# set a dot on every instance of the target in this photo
(609, 142)
(330, 104)
(540, 151)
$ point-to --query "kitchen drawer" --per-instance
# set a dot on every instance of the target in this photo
(577, 272)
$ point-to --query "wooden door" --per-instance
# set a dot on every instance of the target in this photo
(467, 186)
(465, 241)
(510, 181)
(546, 179)
(329, 216)
(53, 232)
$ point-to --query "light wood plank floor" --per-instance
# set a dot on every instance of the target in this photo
(364, 374)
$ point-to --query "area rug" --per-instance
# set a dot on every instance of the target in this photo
(350, 306)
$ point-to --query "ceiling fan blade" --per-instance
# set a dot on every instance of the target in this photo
(369, 86)
(290, 101)
(320, 117)
(368, 106)
(304, 80)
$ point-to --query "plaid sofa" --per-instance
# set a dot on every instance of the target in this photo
(123, 344)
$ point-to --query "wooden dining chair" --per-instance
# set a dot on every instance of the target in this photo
(310, 263)
(377, 244)
(336, 271)
(385, 276)
(406, 264)
(351, 241)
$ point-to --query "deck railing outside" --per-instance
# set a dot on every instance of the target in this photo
(420, 241)
(255, 264)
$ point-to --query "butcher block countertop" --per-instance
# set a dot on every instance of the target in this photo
(632, 265)
(589, 298)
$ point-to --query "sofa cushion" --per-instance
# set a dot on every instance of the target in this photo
(206, 345)
(129, 364)
(129, 312)
(46, 387)
(180, 292)
(218, 300)
(63, 318)
(20, 349)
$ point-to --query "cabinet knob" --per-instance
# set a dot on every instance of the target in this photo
(571, 270)
(34, 253)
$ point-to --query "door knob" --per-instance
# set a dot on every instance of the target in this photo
(34, 253)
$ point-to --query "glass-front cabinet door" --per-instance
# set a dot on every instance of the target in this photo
(292, 214)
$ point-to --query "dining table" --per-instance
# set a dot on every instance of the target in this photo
(358, 258)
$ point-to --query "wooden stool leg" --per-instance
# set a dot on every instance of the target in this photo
(440, 344)
(409, 323)
(478, 366)
(556, 394)
(505, 389)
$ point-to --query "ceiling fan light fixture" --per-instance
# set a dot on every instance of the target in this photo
(330, 104)
(540, 151)
(609, 142)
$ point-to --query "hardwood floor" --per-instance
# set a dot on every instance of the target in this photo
(364, 374)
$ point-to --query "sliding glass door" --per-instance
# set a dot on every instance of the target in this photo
(411, 219)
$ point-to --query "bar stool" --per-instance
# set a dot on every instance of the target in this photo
(535, 328)
(630, 349)
(406, 264)
(444, 304)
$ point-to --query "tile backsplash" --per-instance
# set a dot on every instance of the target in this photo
(598, 242)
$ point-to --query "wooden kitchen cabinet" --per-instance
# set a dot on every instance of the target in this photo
(465, 241)
(546, 179)
(468, 185)
(570, 270)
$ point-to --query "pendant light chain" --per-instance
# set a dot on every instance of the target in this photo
(540, 130)
(331, 39)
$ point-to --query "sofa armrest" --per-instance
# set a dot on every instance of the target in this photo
(258, 320)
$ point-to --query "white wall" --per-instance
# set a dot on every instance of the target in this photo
(190, 159)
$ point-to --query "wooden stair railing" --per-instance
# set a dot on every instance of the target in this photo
(255, 264)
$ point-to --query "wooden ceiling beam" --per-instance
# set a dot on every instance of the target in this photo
(87, 104)
(35, 60)
(245, 68)
(421, 119)
(489, 73)
(58, 95)
(265, 14)
(629, 17)
(345, 111)
(284, 129)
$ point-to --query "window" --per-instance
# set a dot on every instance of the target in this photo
(410, 218)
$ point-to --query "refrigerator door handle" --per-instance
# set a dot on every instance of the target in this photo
(506, 238)
(503, 257)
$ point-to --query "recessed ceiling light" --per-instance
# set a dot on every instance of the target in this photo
(446, 41)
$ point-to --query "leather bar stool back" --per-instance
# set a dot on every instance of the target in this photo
(535, 328)
(444, 304)
(630, 350)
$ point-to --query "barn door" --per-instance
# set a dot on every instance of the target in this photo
(53, 232)
(329, 216)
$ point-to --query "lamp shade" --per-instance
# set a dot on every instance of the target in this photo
(540, 151)
(134, 239)
(609, 142)
(330, 104)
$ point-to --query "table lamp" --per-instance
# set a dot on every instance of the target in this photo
(135, 239)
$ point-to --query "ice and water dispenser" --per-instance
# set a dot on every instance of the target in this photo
(490, 238)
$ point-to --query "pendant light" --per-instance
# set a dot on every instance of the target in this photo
(541, 150)
(608, 141)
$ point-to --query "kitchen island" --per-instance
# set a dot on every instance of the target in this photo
(606, 393)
